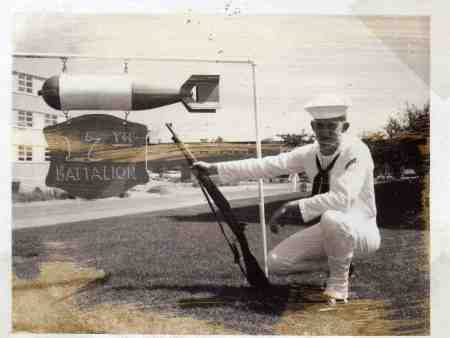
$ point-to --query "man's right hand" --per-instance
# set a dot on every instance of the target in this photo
(277, 218)
(205, 167)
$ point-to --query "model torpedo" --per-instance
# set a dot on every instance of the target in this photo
(200, 93)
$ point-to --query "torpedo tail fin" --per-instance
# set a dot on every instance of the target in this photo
(201, 93)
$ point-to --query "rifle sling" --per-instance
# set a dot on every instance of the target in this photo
(252, 272)
(233, 248)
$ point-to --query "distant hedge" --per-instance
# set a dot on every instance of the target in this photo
(400, 204)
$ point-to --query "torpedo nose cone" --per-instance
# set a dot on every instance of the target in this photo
(50, 92)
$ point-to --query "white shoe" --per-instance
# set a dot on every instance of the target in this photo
(337, 283)
(332, 297)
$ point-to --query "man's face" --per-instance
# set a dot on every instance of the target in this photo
(329, 133)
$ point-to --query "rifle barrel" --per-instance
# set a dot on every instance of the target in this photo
(255, 276)
(186, 152)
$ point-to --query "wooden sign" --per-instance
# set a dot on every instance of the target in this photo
(96, 156)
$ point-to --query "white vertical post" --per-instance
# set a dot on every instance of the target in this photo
(147, 141)
(294, 182)
(260, 181)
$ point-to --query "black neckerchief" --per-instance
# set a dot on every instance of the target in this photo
(321, 183)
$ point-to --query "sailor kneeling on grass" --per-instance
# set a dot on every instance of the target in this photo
(342, 201)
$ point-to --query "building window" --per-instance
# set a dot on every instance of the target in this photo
(51, 119)
(47, 154)
(25, 83)
(25, 153)
(24, 119)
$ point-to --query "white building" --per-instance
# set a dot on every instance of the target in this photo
(30, 115)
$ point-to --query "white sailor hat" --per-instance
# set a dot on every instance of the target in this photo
(327, 106)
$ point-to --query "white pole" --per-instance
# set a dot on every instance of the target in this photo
(294, 182)
(260, 181)
(147, 141)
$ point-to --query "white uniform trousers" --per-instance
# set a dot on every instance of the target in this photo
(337, 235)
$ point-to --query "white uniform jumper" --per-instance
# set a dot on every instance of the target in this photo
(347, 212)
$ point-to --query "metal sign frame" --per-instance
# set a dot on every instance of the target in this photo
(248, 61)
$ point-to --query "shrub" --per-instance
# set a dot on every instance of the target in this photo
(217, 182)
(15, 187)
(37, 194)
(158, 189)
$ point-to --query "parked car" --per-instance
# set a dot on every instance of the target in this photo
(172, 174)
(409, 174)
(383, 178)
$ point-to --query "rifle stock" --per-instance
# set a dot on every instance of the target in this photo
(253, 272)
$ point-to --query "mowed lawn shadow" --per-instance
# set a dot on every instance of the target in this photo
(271, 301)
(246, 211)
(399, 206)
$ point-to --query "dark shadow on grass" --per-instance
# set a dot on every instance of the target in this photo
(399, 206)
(270, 301)
(245, 309)
(28, 253)
(247, 213)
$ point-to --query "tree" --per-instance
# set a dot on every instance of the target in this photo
(373, 135)
(418, 120)
(296, 140)
(393, 127)
(413, 120)
(408, 133)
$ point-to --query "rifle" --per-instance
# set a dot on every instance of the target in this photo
(252, 272)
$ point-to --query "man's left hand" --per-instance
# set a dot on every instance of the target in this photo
(288, 208)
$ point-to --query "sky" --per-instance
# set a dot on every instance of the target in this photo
(378, 62)
(401, 7)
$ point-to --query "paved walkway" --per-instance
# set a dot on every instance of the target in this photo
(35, 214)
